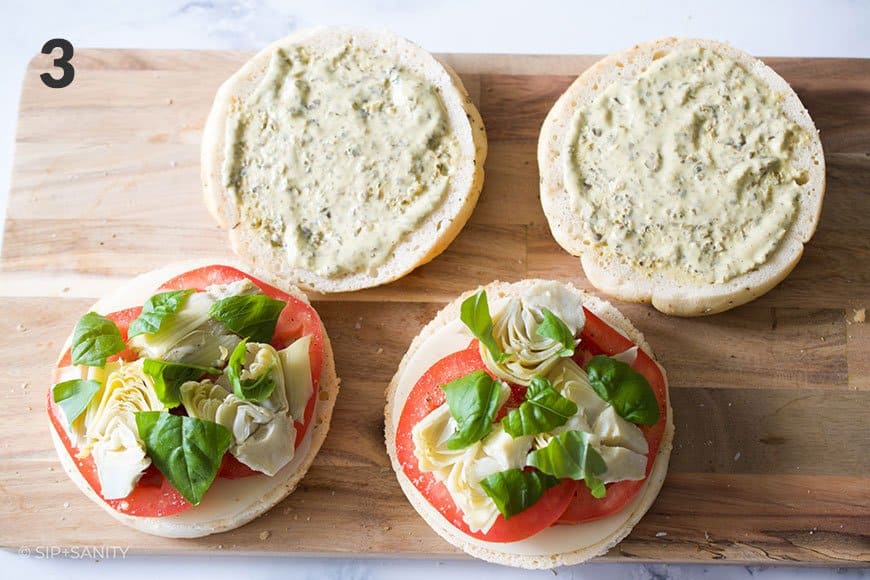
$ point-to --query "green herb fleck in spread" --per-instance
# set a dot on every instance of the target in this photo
(336, 157)
(688, 169)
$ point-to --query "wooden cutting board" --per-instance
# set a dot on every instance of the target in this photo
(771, 400)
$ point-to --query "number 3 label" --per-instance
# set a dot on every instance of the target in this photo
(61, 62)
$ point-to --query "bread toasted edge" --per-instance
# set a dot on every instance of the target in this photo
(281, 488)
(609, 314)
(428, 240)
(666, 294)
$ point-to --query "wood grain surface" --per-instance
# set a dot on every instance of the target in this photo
(771, 400)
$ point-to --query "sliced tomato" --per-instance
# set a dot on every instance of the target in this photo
(425, 397)
(598, 337)
(153, 495)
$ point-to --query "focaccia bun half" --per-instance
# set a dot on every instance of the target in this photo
(664, 292)
(229, 503)
(504, 553)
(428, 238)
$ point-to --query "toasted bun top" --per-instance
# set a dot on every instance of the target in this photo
(229, 503)
(429, 238)
(557, 545)
(664, 292)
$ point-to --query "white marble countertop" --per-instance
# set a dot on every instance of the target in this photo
(770, 28)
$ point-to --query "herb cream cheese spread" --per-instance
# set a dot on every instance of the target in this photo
(337, 156)
(689, 169)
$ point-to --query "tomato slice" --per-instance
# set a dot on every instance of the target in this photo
(425, 397)
(153, 496)
(597, 338)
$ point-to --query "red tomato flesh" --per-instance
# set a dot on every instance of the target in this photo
(424, 398)
(153, 496)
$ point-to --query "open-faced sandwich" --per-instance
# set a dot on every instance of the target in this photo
(339, 159)
(683, 172)
(529, 425)
(193, 399)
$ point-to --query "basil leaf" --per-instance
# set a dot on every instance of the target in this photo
(596, 486)
(187, 451)
(553, 327)
(255, 390)
(474, 312)
(568, 455)
(515, 490)
(74, 396)
(95, 339)
(155, 310)
(169, 376)
(473, 400)
(250, 316)
(543, 410)
(624, 388)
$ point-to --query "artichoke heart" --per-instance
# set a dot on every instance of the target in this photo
(430, 440)
(261, 358)
(462, 470)
(620, 443)
(190, 335)
(463, 483)
(515, 330)
(111, 435)
(296, 362)
(76, 430)
(262, 439)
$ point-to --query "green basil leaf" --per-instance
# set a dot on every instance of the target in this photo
(553, 327)
(596, 486)
(474, 312)
(254, 390)
(543, 410)
(250, 316)
(474, 401)
(169, 376)
(155, 310)
(95, 339)
(187, 451)
(568, 455)
(74, 396)
(624, 388)
(515, 490)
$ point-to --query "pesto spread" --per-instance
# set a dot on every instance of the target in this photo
(689, 169)
(336, 156)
